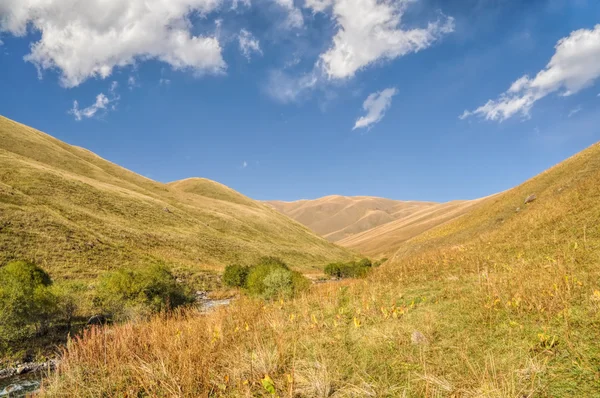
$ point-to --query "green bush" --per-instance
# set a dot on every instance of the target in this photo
(71, 299)
(128, 293)
(235, 275)
(27, 303)
(353, 269)
(268, 278)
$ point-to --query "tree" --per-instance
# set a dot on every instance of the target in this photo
(128, 293)
(26, 300)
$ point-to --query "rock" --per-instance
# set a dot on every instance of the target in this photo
(166, 209)
(97, 320)
(418, 338)
(26, 368)
(201, 295)
(518, 209)
(530, 198)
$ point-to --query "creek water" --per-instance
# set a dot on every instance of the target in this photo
(20, 386)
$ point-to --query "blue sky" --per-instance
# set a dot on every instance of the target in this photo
(282, 99)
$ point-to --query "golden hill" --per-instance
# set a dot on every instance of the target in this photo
(337, 217)
(384, 240)
(374, 227)
(77, 214)
(501, 302)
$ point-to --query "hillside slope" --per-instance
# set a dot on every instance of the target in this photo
(337, 217)
(77, 214)
(501, 302)
(384, 240)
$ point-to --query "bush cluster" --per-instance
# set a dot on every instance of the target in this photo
(270, 277)
(127, 293)
(353, 269)
(31, 304)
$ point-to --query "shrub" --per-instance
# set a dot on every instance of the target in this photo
(70, 299)
(235, 275)
(353, 269)
(269, 278)
(128, 293)
(26, 300)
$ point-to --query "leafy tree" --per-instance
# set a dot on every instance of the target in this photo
(128, 293)
(235, 275)
(69, 300)
(26, 300)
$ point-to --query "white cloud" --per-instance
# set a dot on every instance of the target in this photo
(236, 3)
(574, 66)
(248, 44)
(164, 82)
(369, 31)
(84, 39)
(103, 103)
(132, 82)
(575, 111)
(286, 88)
(318, 5)
(294, 17)
(244, 164)
(376, 105)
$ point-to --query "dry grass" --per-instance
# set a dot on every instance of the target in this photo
(77, 215)
(507, 303)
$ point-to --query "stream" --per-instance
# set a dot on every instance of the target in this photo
(20, 386)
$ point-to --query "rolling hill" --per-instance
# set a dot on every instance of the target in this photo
(77, 214)
(337, 217)
(503, 301)
(374, 227)
(385, 239)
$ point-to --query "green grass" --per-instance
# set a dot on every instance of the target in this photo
(77, 215)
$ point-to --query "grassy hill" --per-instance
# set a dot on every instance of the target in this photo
(501, 302)
(374, 227)
(337, 217)
(77, 214)
(385, 239)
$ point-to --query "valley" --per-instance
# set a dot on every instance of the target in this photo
(493, 297)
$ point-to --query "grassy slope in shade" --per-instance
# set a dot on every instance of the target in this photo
(498, 303)
(77, 214)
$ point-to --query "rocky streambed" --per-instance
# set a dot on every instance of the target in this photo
(24, 378)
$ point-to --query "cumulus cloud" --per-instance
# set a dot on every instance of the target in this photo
(248, 44)
(369, 31)
(376, 105)
(574, 66)
(84, 39)
(294, 14)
